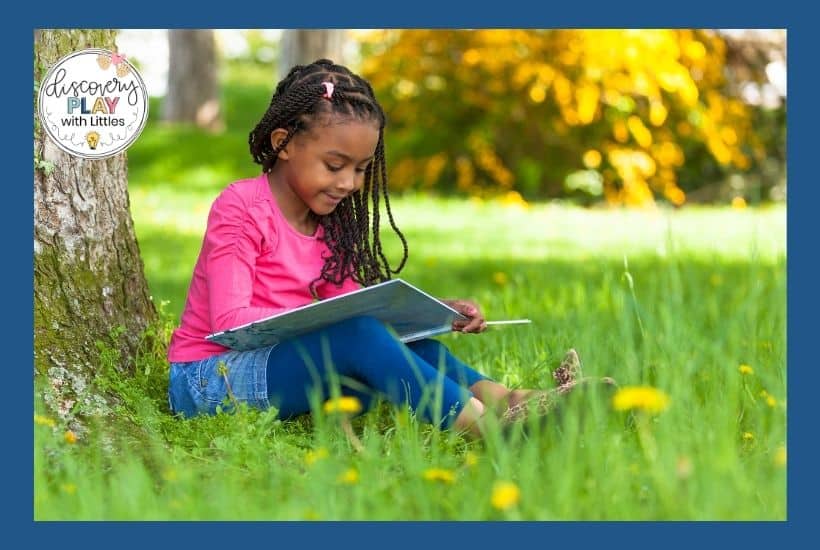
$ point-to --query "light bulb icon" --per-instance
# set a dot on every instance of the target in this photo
(92, 138)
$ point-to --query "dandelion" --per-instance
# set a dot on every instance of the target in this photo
(780, 456)
(345, 404)
(769, 398)
(640, 397)
(169, 475)
(684, 467)
(43, 420)
(311, 457)
(349, 476)
(745, 369)
(506, 494)
(748, 436)
(500, 278)
(470, 459)
(68, 488)
(70, 437)
(439, 474)
(738, 203)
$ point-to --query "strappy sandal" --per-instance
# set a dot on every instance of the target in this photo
(569, 376)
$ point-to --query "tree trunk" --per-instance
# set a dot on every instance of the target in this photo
(300, 47)
(193, 89)
(89, 284)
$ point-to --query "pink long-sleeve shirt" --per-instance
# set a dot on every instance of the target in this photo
(253, 264)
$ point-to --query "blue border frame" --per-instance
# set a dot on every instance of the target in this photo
(802, 301)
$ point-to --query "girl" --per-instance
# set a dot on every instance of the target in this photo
(308, 228)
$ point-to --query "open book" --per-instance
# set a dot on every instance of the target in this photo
(410, 312)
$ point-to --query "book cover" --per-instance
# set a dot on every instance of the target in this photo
(410, 312)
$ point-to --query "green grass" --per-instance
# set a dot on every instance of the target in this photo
(708, 294)
(709, 291)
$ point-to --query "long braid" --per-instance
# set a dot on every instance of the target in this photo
(351, 231)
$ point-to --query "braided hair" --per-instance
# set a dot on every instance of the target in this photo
(350, 231)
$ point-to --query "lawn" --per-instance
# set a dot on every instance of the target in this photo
(673, 300)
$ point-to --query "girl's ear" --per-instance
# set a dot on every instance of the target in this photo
(276, 139)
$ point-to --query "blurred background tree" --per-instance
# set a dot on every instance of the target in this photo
(302, 46)
(193, 87)
(629, 116)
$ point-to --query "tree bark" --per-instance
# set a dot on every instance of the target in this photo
(300, 47)
(193, 89)
(89, 284)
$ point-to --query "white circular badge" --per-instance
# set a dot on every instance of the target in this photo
(93, 103)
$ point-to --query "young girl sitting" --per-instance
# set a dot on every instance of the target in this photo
(307, 228)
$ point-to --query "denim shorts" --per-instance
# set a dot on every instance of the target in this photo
(198, 387)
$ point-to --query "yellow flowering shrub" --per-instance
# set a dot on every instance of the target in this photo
(488, 111)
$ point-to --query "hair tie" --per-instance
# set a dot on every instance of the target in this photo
(328, 90)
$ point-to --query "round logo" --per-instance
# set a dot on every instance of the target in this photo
(93, 103)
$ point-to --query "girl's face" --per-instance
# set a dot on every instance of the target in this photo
(326, 164)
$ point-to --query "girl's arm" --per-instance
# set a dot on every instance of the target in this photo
(232, 243)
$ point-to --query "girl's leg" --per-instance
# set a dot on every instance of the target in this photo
(488, 391)
(362, 351)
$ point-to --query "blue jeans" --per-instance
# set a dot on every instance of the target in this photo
(360, 357)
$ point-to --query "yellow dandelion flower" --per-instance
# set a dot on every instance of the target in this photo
(70, 437)
(169, 475)
(506, 494)
(745, 369)
(43, 420)
(748, 436)
(684, 467)
(470, 459)
(500, 278)
(313, 456)
(769, 398)
(345, 404)
(439, 474)
(780, 456)
(68, 488)
(349, 476)
(738, 203)
(644, 398)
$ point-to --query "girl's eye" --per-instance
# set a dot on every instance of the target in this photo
(334, 168)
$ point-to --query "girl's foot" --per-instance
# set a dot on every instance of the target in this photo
(569, 370)
(568, 375)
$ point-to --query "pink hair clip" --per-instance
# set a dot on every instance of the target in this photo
(328, 90)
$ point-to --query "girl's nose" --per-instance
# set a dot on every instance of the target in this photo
(347, 181)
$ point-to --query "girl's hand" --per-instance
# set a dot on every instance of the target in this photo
(475, 319)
